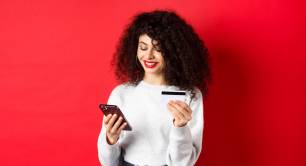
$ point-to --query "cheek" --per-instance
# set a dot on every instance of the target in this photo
(160, 58)
(139, 55)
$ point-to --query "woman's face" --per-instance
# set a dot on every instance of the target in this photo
(150, 56)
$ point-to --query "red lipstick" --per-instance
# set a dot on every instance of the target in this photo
(150, 64)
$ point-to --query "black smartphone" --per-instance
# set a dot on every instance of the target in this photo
(113, 109)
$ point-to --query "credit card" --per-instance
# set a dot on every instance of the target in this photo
(172, 95)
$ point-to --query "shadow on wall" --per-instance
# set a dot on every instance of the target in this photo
(227, 132)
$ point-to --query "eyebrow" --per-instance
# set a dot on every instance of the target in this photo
(143, 42)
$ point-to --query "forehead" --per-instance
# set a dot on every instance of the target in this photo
(146, 39)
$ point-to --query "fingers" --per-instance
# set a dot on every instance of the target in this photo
(107, 118)
(117, 125)
(111, 122)
(112, 119)
(122, 127)
(175, 113)
(184, 105)
(183, 109)
(114, 124)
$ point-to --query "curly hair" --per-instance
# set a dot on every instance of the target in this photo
(186, 57)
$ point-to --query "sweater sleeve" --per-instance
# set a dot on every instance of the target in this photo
(185, 143)
(109, 155)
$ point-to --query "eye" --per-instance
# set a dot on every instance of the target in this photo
(143, 48)
(157, 49)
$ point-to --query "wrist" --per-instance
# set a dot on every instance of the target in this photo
(179, 125)
(111, 141)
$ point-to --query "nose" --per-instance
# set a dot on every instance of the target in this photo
(151, 54)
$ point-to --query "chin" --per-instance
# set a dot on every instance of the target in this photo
(151, 71)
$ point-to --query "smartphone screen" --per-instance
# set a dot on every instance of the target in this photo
(113, 109)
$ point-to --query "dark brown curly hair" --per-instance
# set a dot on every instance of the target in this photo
(186, 57)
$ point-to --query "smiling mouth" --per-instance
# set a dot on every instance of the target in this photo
(149, 64)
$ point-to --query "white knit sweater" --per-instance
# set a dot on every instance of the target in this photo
(154, 139)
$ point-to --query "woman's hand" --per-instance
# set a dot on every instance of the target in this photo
(181, 112)
(114, 127)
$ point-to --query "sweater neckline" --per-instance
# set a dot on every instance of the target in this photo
(152, 86)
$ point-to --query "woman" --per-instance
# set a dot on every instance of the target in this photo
(158, 51)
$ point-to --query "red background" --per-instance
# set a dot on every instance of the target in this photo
(55, 70)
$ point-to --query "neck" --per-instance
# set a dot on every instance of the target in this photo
(154, 79)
